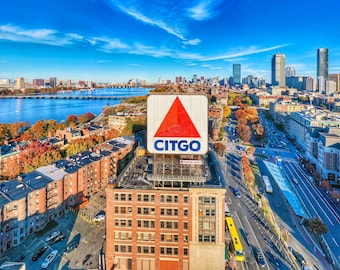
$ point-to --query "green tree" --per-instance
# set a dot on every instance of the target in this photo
(317, 226)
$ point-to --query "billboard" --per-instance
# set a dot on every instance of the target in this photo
(177, 124)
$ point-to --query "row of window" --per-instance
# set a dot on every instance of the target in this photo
(149, 250)
(149, 198)
(207, 200)
(206, 238)
(149, 224)
(151, 211)
(149, 236)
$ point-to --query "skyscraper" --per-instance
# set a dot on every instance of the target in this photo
(322, 63)
(290, 71)
(237, 73)
(279, 69)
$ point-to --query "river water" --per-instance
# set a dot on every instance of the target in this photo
(32, 110)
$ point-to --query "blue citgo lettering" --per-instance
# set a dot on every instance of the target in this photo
(173, 145)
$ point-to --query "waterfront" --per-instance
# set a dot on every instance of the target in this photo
(32, 110)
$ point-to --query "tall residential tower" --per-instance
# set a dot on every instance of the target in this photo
(322, 63)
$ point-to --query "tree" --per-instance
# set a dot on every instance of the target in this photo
(317, 226)
(239, 113)
(71, 120)
(226, 111)
(244, 132)
(220, 148)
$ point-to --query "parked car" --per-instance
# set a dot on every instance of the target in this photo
(39, 253)
(298, 256)
(259, 257)
(52, 236)
(60, 237)
(71, 246)
(99, 218)
(237, 193)
(49, 259)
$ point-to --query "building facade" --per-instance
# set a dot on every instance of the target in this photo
(322, 63)
(237, 74)
(279, 70)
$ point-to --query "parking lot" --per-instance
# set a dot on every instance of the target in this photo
(78, 227)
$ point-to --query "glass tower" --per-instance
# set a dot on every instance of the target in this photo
(322, 63)
(237, 73)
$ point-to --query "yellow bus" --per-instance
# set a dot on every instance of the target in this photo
(236, 242)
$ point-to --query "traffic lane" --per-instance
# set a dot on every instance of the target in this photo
(320, 210)
(309, 184)
(315, 201)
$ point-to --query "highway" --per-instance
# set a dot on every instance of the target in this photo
(316, 205)
(253, 229)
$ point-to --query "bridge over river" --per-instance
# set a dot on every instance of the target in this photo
(65, 97)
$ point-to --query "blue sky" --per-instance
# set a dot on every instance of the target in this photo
(117, 40)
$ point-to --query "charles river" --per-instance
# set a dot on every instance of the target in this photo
(32, 110)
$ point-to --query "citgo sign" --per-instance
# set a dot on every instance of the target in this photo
(177, 124)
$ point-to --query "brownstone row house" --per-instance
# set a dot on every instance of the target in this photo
(30, 201)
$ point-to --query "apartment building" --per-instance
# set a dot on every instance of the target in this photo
(323, 150)
(301, 121)
(30, 201)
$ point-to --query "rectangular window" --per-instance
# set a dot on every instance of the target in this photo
(162, 250)
(175, 198)
(146, 224)
(185, 252)
(116, 222)
(206, 200)
(146, 237)
(185, 199)
(162, 212)
(185, 225)
(175, 212)
(116, 235)
(175, 251)
(169, 225)
(185, 212)
(169, 238)
(139, 223)
(139, 197)
(146, 211)
(169, 212)
(152, 249)
(168, 251)
(129, 223)
(152, 198)
(123, 236)
(162, 237)
(162, 198)
(152, 224)
(176, 225)
(139, 236)
(162, 224)
(213, 199)
(152, 236)
(122, 197)
(123, 223)
(168, 198)
(139, 210)
(116, 210)
(129, 250)
(146, 250)
(116, 197)
(146, 197)
(123, 210)
(130, 197)
(123, 249)
(139, 249)
(116, 248)
(206, 225)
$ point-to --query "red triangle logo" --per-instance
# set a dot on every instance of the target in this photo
(177, 123)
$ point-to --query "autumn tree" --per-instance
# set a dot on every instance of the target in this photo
(36, 155)
(240, 113)
(71, 120)
(226, 111)
(244, 132)
(220, 148)
(112, 133)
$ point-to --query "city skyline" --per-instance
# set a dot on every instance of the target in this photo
(114, 41)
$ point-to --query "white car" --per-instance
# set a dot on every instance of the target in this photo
(99, 217)
(49, 259)
(52, 236)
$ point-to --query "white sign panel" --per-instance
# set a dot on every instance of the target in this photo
(177, 124)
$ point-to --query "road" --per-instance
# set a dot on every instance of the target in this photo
(316, 205)
(252, 226)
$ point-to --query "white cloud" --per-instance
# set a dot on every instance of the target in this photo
(203, 10)
(195, 41)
